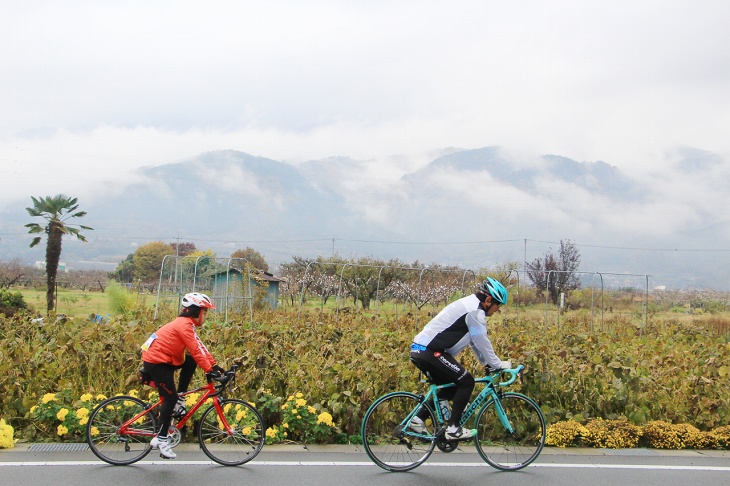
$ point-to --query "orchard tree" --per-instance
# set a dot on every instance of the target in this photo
(556, 272)
(182, 249)
(56, 211)
(11, 272)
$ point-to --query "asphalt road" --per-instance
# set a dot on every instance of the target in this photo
(337, 465)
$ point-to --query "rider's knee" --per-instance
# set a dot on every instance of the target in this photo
(466, 381)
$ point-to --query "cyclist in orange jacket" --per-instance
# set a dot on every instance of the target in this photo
(175, 346)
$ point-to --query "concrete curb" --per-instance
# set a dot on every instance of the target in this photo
(358, 449)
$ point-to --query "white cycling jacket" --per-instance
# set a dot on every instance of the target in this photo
(460, 324)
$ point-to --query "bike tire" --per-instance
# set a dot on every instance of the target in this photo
(385, 443)
(104, 438)
(510, 451)
(249, 433)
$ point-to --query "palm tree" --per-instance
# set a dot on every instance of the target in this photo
(55, 210)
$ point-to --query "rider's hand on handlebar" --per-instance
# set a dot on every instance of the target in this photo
(503, 365)
(215, 375)
(218, 369)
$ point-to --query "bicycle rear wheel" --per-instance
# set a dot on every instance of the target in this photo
(510, 451)
(245, 440)
(115, 446)
(387, 443)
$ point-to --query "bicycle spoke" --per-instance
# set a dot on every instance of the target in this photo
(102, 431)
(245, 439)
(511, 450)
(387, 443)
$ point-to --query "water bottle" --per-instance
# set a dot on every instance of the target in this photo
(445, 409)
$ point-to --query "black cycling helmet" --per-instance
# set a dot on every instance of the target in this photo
(494, 288)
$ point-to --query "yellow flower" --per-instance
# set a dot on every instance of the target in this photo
(246, 431)
(301, 402)
(33, 409)
(227, 408)
(82, 412)
(6, 435)
(299, 395)
(101, 397)
(284, 407)
(311, 409)
(191, 399)
(83, 420)
(86, 397)
(61, 415)
(129, 403)
(94, 431)
(134, 393)
(294, 411)
(48, 397)
(271, 432)
(285, 425)
(325, 418)
(62, 430)
(240, 415)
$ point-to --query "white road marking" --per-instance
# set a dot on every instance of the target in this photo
(361, 463)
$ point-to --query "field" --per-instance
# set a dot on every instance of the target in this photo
(70, 302)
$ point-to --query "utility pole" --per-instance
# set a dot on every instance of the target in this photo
(524, 258)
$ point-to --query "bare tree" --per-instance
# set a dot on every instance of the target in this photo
(11, 272)
(556, 273)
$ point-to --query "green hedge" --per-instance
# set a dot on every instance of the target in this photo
(669, 371)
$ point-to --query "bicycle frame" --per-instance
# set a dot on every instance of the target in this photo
(490, 390)
(210, 391)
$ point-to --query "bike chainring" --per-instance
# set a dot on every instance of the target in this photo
(174, 436)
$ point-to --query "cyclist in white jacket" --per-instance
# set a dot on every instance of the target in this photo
(460, 324)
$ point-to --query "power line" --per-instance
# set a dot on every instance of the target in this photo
(396, 242)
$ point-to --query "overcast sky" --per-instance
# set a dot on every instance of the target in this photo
(91, 90)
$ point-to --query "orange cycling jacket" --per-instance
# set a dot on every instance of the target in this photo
(168, 344)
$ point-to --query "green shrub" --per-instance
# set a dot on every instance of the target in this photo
(300, 422)
(121, 300)
(11, 302)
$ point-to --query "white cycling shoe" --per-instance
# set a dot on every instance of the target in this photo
(418, 426)
(459, 433)
(163, 445)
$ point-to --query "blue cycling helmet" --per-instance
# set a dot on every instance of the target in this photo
(492, 287)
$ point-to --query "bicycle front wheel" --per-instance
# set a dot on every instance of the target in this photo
(112, 443)
(510, 450)
(388, 441)
(242, 443)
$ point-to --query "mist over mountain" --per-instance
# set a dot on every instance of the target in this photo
(472, 208)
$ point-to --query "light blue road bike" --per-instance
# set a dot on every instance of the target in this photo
(510, 426)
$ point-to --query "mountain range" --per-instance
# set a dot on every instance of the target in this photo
(472, 208)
